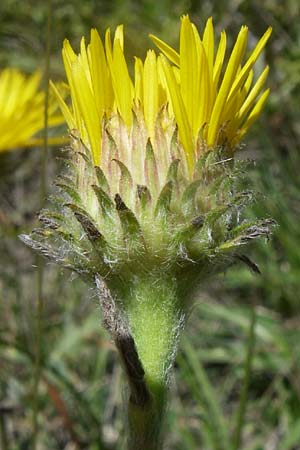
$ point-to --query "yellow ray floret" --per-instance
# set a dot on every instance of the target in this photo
(22, 110)
(179, 112)
(150, 83)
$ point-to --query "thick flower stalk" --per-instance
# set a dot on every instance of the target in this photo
(150, 204)
(22, 110)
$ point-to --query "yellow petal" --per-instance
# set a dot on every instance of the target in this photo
(254, 113)
(231, 70)
(219, 60)
(150, 83)
(247, 105)
(168, 51)
(181, 117)
(164, 84)
(189, 70)
(119, 36)
(250, 62)
(101, 80)
(69, 58)
(83, 58)
(203, 87)
(63, 106)
(209, 44)
(88, 109)
(138, 80)
(234, 103)
(122, 84)
(108, 47)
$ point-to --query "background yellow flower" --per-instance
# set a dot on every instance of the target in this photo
(22, 106)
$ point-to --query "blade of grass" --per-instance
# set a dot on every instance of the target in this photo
(245, 388)
(207, 393)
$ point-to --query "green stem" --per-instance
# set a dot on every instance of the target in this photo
(154, 317)
(145, 425)
(40, 262)
(245, 388)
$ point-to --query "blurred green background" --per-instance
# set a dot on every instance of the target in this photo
(81, 385)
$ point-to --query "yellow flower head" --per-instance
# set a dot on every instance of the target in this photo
(150, 205)
(209, 102)
(22, 110)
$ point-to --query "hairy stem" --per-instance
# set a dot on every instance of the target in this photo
(146, 335)
(145, 424)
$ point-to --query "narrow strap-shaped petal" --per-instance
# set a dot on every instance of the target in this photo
(83, 58)
(88, 109)
(219, 60)
(189, 70)
(164, 84)
(68, 58)
(254, 113)
(234, 103)
(138, 80)
(150, 83)
(184, 129)
(248, 103)
(63, 106)
(253, 94)
(250, 62)
(119, 36)
(205, 103)
(209, 44)
(101, 79)
(168, 51)
(122, 84)
(108, 46)
(230, 73)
